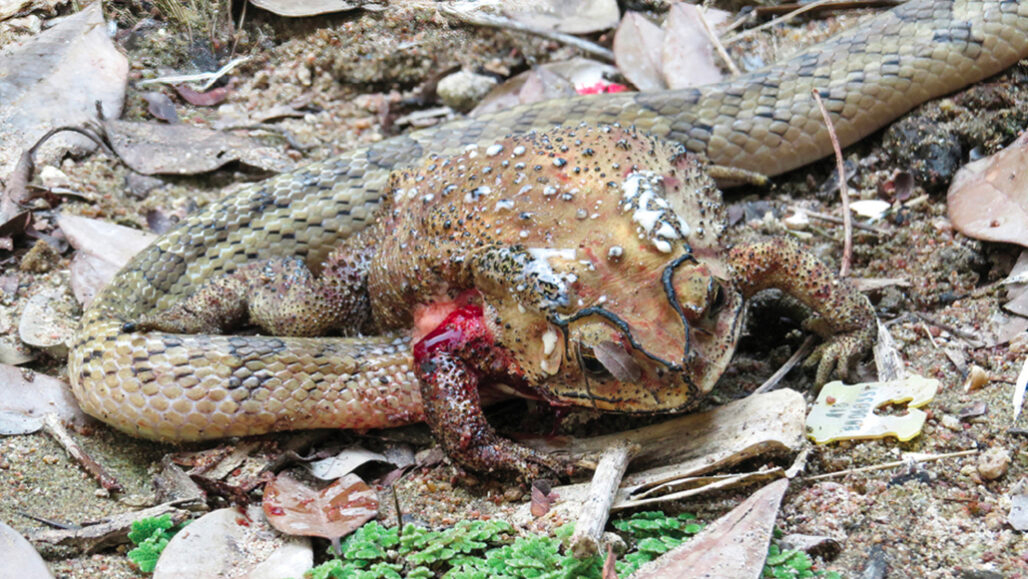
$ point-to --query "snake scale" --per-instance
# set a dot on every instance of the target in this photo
(188, 387)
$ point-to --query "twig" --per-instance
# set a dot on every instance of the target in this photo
(928, 333)
(585, 541)
(51, 523)
(53, 426)
(1019, 388)
(239, 28)
(847, 219)
(780, 373)
(840, 221)
(962, 334)
(838, 5)
(775, 22)
(886, 465)
(716, 42)
(210, 77)
(479, 18)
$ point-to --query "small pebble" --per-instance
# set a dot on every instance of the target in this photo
(951, 422)
(993, 463)
(463, 90)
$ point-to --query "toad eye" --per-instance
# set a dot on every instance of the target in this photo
(589, 363)
(715, 297)
(608, 359)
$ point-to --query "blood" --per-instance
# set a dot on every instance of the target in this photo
(461, 327)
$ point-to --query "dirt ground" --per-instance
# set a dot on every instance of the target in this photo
(356, 74)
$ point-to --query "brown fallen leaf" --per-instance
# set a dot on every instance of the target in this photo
(609, 567)
(26, 396)
(733, 546)
(204, 99)
(989, 198)
(542, 498)
(568, 16)
(548, 81)
(233, 543)
(638, 51)
(687, 56)
(151, 148)
(56, 80)
(336, 511)
(299, 8)
(103, 248)
(20, 558)
(160, 106)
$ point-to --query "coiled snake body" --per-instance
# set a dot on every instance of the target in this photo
(188, 387)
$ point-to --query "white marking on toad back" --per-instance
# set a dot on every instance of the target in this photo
(477, 193)
(494, 150)
(642, 194)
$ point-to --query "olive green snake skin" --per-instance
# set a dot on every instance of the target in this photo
(189, 387)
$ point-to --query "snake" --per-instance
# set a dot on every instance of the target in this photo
(180, 387)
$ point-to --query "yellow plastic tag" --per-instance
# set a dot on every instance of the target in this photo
(844, 412)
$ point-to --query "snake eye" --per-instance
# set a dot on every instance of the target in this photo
(590, 364)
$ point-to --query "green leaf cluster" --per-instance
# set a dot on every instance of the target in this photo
(151, 536)
(653, 533)
(792, 564)
(468, 550)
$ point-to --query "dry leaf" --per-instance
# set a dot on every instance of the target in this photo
(103, 249)
(638, 51)
(989, 198)
(733, 546)
(344, 463)
(26, 396)
(20, 558)
(336, 511)
(204, 99)
(299, 8)
(160, 106)
(687, 56)
(549, 81)
(151, 148)
(568, 16)
(542, 498)
(56, 79)
(231, 543)
(49, 321)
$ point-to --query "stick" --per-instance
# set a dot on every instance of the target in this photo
(716, 43)
(886, 465)
(780, 373)
(210, 77)
(847, 219)
(780, 20)
(585, 541)
(838, 221)
(53, 426)
(483, 19)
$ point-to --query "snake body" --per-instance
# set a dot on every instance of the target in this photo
(187, 387)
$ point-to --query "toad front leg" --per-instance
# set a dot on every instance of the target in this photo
(845, 318)
(450, 363)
